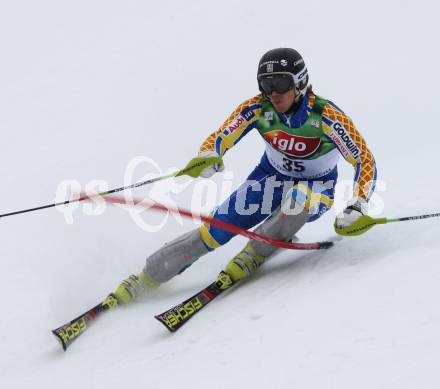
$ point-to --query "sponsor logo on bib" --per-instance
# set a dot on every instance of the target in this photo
(294, 145)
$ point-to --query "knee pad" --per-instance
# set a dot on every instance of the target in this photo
(280, 226)
(174, 257)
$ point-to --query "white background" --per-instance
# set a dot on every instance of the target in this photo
(86, 86)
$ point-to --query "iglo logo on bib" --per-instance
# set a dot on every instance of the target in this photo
(294, 145)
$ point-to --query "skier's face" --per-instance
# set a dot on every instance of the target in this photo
(282, 101)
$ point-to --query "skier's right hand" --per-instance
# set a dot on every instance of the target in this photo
(203, 165)
(212, 169)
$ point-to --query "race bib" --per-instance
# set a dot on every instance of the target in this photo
(302, 168)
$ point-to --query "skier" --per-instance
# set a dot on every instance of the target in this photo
(305, 135)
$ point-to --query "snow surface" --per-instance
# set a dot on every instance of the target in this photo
(86, 86)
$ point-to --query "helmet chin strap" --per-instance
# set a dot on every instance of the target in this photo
(298, 95)
(296, 102)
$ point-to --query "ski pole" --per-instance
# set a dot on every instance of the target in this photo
(365, 222)
(193, 169)
(152, 205)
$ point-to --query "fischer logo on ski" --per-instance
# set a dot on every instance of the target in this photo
(70, 331)
(177, 316)
(182, 313)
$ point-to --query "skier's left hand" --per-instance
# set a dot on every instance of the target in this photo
(356, 208)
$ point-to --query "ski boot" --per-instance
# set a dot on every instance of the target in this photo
(244, 263)
(133, 287)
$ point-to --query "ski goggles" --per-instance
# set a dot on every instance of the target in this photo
(279, 83)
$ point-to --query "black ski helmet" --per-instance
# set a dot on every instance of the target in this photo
(284, 61)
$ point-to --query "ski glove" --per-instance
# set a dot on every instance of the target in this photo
(214, 168)
(204, 165)
(356, 208)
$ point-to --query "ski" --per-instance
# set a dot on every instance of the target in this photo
(70, 331)
(172, 319)
(177, 316)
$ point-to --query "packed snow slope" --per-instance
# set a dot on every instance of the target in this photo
(87, 86)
